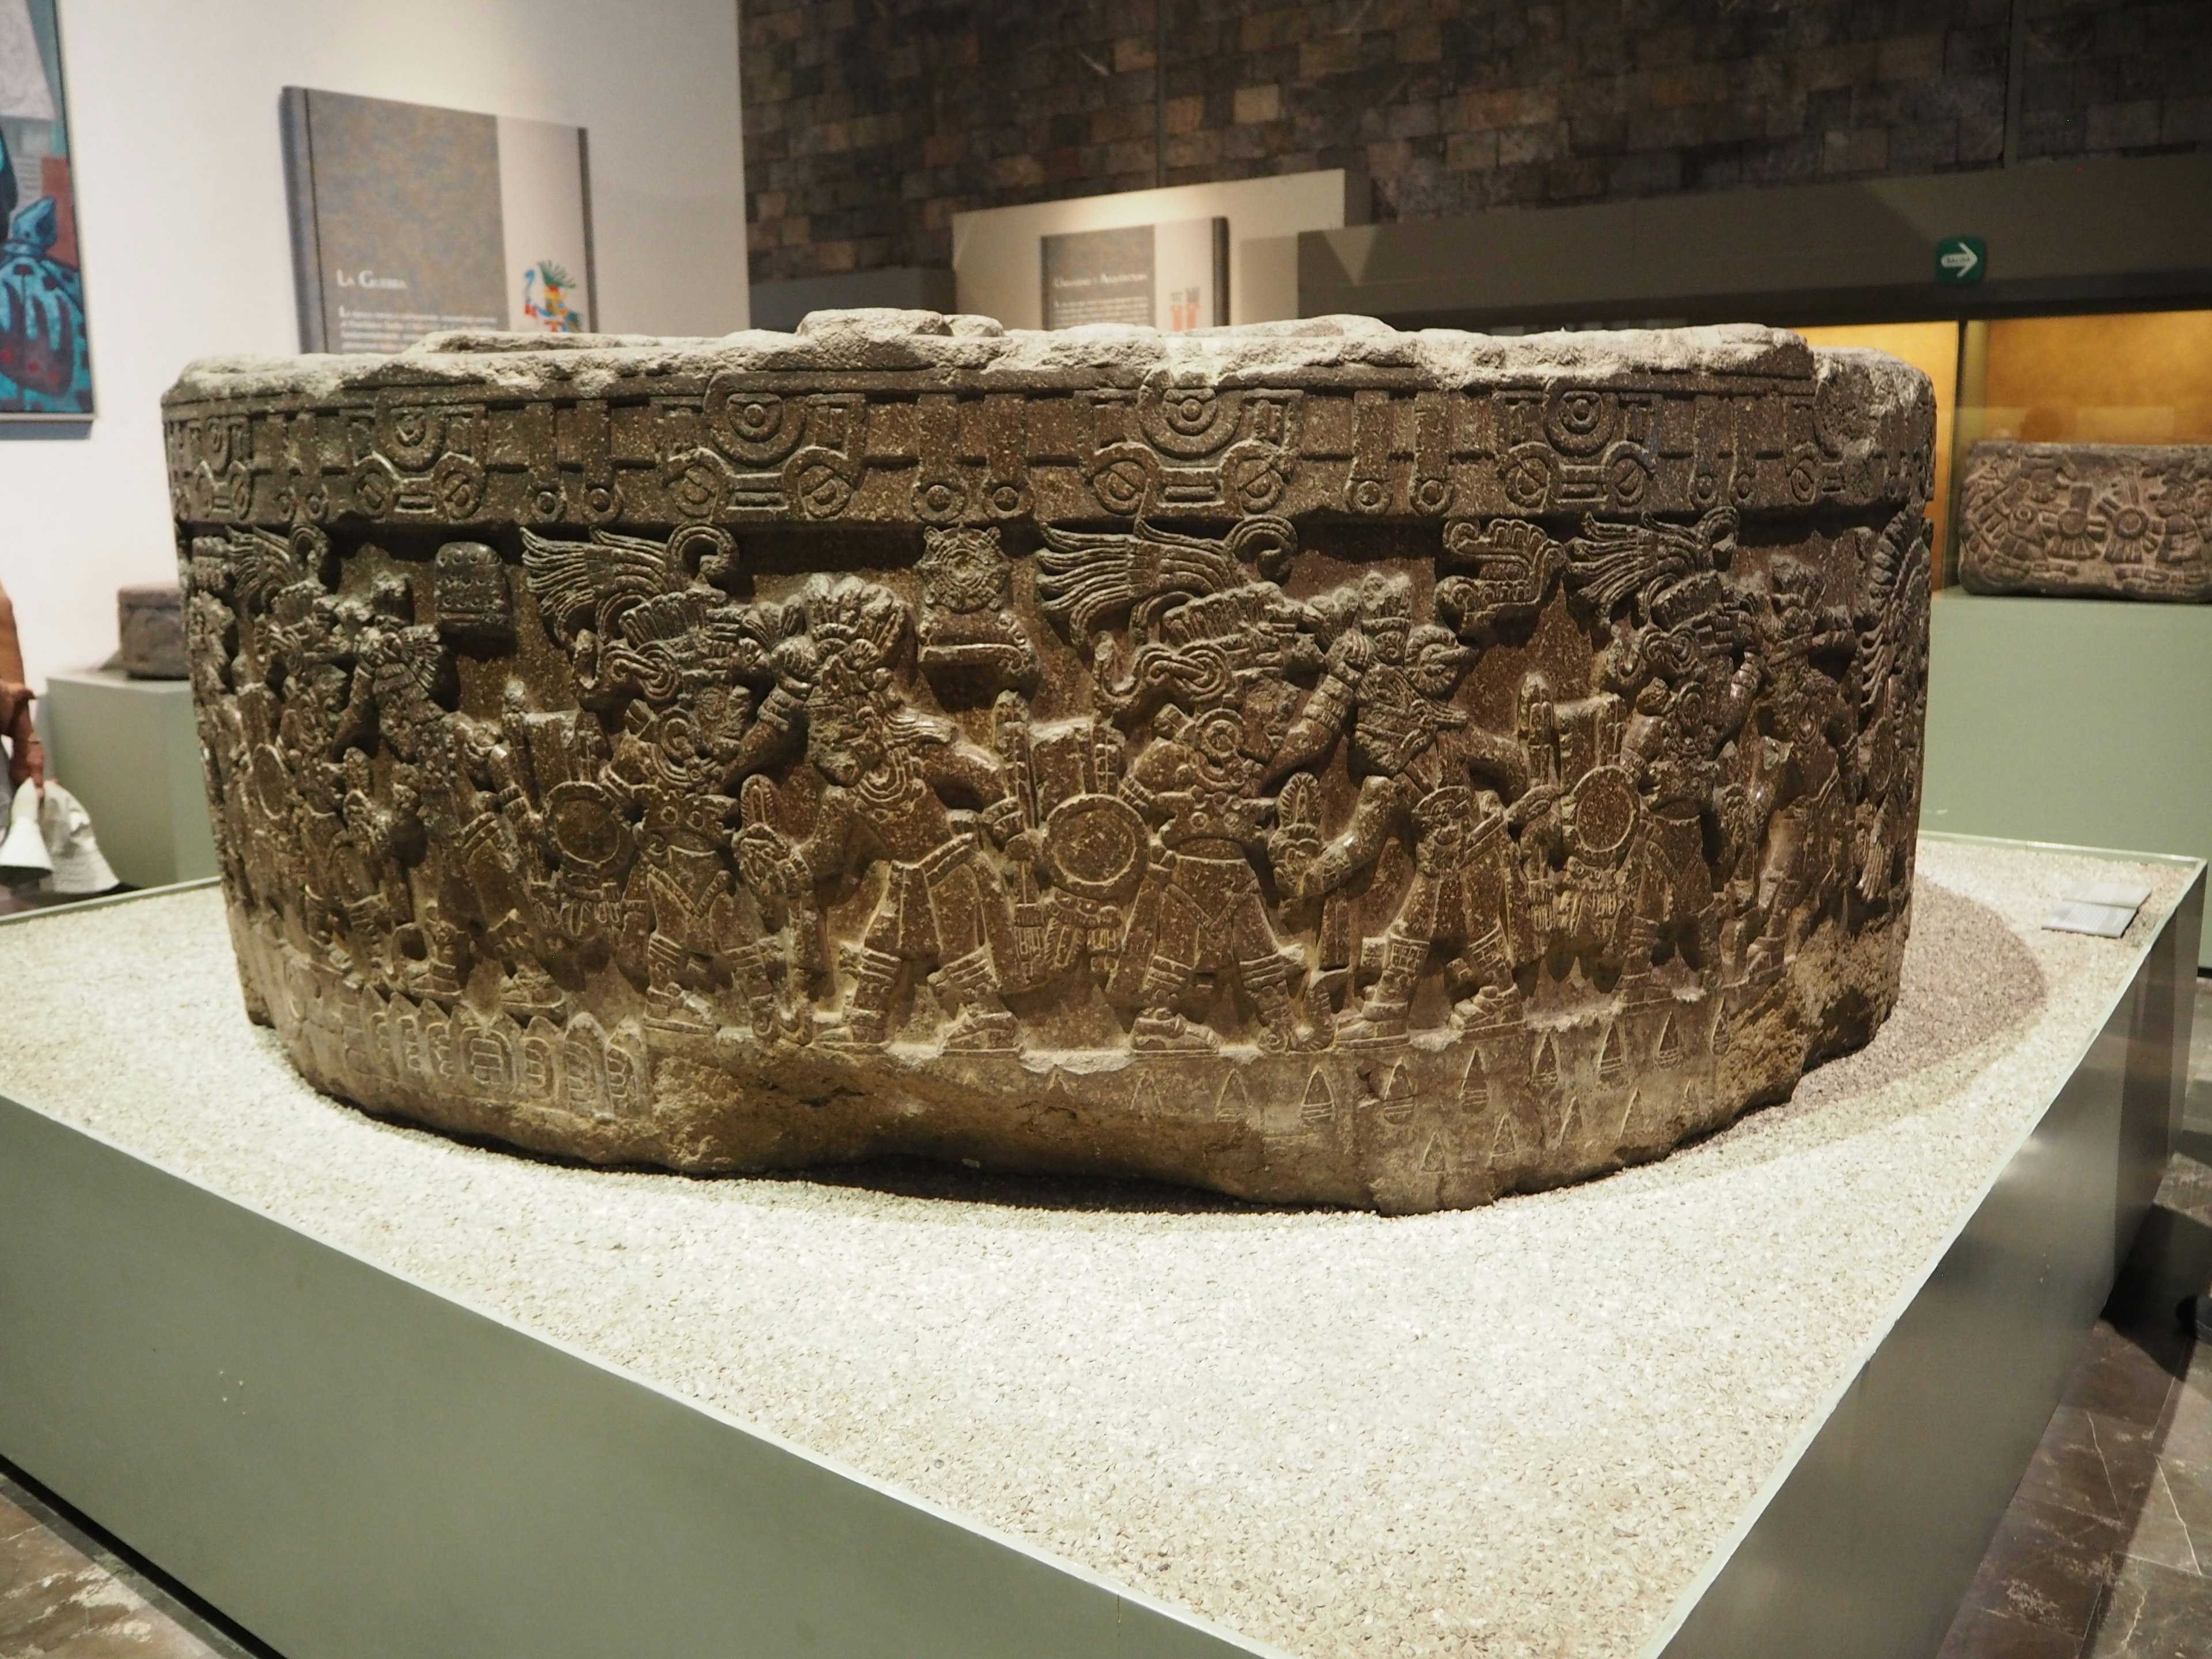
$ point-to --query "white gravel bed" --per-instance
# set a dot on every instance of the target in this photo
(1515, 1431)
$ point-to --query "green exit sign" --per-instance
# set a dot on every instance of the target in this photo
(1960, 260)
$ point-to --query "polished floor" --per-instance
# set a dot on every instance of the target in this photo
(65, 1594)
(2105, 1553)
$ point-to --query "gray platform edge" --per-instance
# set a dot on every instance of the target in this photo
(350, 1464)
(1863, 1541)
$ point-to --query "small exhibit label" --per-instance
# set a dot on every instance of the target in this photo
(2105, 920)
(2123, 895)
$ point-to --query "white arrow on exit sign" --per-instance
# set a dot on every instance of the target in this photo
(1960, 260)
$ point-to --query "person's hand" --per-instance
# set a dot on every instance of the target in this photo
(769, 865)
(1351, 655)
(26, 761)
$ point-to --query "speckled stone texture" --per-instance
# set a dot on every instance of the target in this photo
(1520, 1429)
(1310, 760)
(150, 624)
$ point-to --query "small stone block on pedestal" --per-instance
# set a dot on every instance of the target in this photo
(149, 621)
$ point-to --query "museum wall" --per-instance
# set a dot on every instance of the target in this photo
(998, 257)
(182, 217)
(2136, 378)
(868, 127)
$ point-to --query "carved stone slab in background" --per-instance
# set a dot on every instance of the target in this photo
(2115, 520)
(1308, 760)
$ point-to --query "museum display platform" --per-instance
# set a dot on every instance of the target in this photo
(371, 1391)
(2075, 720)
(128, 750)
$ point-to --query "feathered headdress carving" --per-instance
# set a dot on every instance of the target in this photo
(849, 619)
(580, 584)
(1610, 562)
(1085, 577)
(262, 566)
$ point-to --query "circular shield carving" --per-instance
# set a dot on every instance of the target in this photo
(375, 486)
(412, 436)
(756, 419)
(1121, 476)
(588, 829)
(1628, 474)
(941, 500)
(1605, 808)
(1804, 474)
(815, 478)
(759, 427)
(457, 484)
(1527, 475)
(1188, 420)
(698, 483)
(1253, 475)
(1096, 845)
(1578, 420)
(1432, 496)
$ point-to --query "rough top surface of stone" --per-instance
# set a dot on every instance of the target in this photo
(891, 341)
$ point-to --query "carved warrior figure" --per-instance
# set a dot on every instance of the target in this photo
(2113, 520)
(1315, 763)
(1390, 684)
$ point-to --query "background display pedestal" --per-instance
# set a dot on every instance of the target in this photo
(2081, 722)
(371, 1391)
(128, 750)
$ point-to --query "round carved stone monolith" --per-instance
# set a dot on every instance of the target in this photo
(1308, 760)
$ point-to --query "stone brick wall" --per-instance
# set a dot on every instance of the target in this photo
(870, 123)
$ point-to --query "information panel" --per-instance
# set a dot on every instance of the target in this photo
(407, 219)
(1173, 278)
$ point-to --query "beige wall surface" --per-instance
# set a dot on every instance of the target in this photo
(2129, 378)
(998, 263)
(181, 216)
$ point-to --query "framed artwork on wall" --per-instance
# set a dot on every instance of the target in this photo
(408, 220)
(46, 356)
